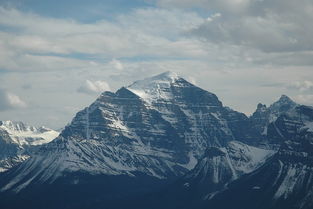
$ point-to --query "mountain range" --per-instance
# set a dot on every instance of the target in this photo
(162, 142)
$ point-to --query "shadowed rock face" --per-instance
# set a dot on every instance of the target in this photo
(8, 152)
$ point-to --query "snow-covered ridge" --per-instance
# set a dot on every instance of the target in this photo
(23, 134)
(17, 141)
(237, 157)
(245, 158)
(222, 165)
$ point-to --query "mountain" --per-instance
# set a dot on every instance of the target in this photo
(227, 177)
(286, 180)
(218, 167)
(159, 126)
(263, 116)
(160, 142)
(155, 129)
(18, 139)
(26, 135)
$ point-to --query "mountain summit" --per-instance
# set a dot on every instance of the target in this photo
(166, 77)
(154, 88)
(158, 88)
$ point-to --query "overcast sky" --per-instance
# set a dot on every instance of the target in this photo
(56, 57)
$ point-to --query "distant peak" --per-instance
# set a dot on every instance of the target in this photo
(19, 125)
(285, 99)
(283, 96)
(261, 106)
(10, 123)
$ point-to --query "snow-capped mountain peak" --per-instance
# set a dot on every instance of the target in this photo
(154, 88)
(167, 76)
(17, 141)
(23, 134)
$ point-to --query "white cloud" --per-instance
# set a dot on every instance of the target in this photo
(305, 99)
(9, 100)
(271, 26)
(246, 52)
(94, 87)
(302, 86)
(271, 31)
(51, 44)
(116, 64)
(234, 6)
